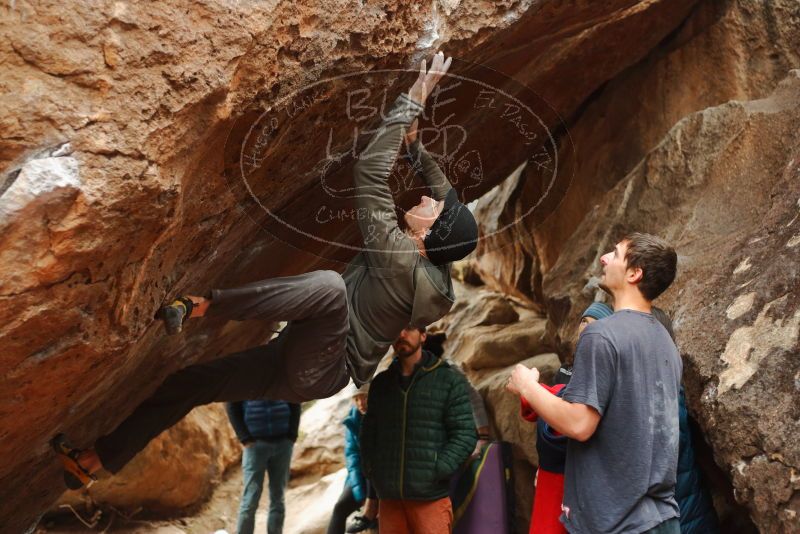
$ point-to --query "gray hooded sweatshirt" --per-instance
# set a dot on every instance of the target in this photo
(390, 285)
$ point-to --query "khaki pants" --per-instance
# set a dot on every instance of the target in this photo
(306, 361)
(415, 517)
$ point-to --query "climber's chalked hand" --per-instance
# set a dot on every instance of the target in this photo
(427, 79)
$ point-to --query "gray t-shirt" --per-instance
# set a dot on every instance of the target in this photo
(622, 479)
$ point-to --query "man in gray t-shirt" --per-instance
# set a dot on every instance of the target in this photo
(623, 478)
(620, 408)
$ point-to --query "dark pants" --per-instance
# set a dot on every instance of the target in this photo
(346, 505)
(670, 526)
(306, 361)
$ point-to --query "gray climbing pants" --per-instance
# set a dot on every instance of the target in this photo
(306, 361)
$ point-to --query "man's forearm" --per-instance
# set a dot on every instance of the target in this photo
(571, 420)
(371, 173)
(377, 159)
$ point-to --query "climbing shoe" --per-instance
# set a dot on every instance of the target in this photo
(361, 523)
(175, 314)
(75, 476)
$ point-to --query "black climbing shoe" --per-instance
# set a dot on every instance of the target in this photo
(361, 523)
(75, 476)
(175, 314)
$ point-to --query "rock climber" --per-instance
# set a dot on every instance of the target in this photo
(339, 326)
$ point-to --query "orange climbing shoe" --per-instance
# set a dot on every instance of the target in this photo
(175, 314)
(75, 476)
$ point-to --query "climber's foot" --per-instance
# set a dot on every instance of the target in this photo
(76, 476)
(175, 314)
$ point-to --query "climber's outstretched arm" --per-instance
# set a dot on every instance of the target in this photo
(423, 162)
(377, 219)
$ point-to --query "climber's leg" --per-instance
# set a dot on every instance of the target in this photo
(277, 299)
(313, 343)
(241, 376)
(306, 361)
(314, 348)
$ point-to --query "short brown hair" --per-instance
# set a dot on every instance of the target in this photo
(657, 260)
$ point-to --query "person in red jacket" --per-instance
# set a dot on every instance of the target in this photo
(551, 447)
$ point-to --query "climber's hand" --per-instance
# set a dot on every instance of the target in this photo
(427, 79)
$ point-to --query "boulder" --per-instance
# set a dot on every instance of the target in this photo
(319, 449)
(501, 345)
(313, 503)
(486, 329)
(749, 45)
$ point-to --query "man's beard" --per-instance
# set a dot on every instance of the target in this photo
(404, 349)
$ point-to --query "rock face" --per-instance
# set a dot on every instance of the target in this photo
(175, 472)
(120, 133)
(749, 46)
(115, 119)
(312, 504)
(319, 449)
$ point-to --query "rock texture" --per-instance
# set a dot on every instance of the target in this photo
(312, 503)
(662, 148)
(319, 449)
(308, 509)
(748, 45)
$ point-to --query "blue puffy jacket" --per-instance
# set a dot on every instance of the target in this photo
(697, 511)
(264, 419)
(352, 454)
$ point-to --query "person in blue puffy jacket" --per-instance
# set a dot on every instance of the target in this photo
(267, 429)
(357, 489)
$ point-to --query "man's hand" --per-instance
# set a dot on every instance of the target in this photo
(483, 440)
(520, 377)
(428, 79)
(479, 448)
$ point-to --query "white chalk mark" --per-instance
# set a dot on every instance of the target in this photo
(743, 266)
(749, 345)
(741, 305)
(37, 178)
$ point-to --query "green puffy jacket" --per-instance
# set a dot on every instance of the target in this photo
(412, 441)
